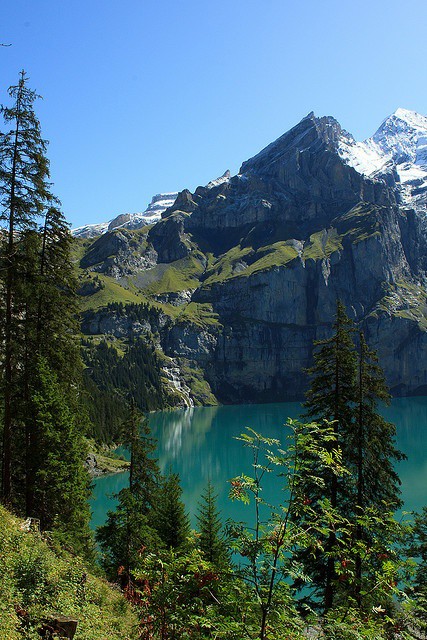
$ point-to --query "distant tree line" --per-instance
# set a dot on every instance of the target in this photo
(112, 380)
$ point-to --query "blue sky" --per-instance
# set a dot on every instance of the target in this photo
(144, 96)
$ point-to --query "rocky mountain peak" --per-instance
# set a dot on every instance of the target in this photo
(398, 152)
(311, 135)
(403, 137)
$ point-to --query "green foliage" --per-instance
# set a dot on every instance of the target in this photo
(183, 596)
(418, 549)
(39, 579)
(210, 537)
(275, 548)
(112, 379)
(171, 521)
(24, 196)
(130, 529)
(61, 485)
(126, 533)
(347, 570)
(269, 547)
(43, 451)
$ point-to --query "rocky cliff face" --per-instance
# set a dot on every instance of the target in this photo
(249, 267)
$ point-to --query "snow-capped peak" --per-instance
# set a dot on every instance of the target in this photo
(399, 145)
(403, 137)
(152, 213)
(413, 118)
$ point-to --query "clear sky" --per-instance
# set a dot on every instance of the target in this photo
(148, 96)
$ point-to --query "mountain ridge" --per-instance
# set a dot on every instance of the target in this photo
(245, 272)
(371, 157)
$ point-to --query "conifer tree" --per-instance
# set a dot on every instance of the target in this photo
(346, 388)
(42, 379)
(331, 397)
(130, 528)
(171, 521)
(418, 549)
(61, 487)
(24, 194)
(211, 540)
(372, 452)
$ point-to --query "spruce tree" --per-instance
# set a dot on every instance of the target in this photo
(61, 487)
(418, 549)
(209, 526)
(372, 455)
(42, 365)
(24, 194)
(347, 385)
(130, 529)
(50, 327)
(171, 521)
(331, 397)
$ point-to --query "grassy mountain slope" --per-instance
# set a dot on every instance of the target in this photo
(39, 579)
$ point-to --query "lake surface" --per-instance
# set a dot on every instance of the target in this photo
(199, 444)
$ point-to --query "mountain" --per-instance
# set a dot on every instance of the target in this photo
(152, 213)
(397, 149)
(243, 274)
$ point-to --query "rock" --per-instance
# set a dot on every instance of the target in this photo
(169, 238)
(119, 221)
(296, 229)
(176, 299)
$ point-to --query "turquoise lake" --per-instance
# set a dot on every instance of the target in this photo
(199, 444)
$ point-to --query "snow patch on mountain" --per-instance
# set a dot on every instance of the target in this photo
(399, 146)
(159, 203)
(221, 180)
(90, 230)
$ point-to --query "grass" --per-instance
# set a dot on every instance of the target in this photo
(249, 261)
(179, 276)
(39, 579)
(200, 314)
(111, 291)
(107, 464)
(322, 244)
(200, 389)
(360, 223)
(276, 255)
(79, 247)
(405, 300)
(222, 268)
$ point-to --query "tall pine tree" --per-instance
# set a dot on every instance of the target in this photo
(346, 387)
(131, 527)
(331, 397)
(171, 520)
(42, 379)
(24, 194)
(372, 455)
(209, 525)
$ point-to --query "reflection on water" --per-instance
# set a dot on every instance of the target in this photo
(410, 418)
(200, 444)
